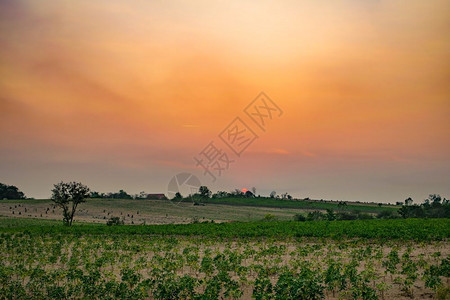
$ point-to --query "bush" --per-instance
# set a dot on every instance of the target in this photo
(315, 216)
(346, 216)
(387, 214)
(114, 221)
(269, 217)
(364, 216)
(299, 218)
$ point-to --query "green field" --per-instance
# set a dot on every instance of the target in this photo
(301, 204)
(242, 257)
(363, 259)
(409, 229)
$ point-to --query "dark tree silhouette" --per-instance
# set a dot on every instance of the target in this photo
(204, 191)
(10, 192)
(68, 195)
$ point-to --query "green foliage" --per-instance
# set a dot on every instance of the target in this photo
(330, 216)
(263, 288)
(391, 262)
(71, 264)
(315, 216)
(269, 217)
(387, 214)
(299, 218)
(409, 229)
(431, 277)
(433, 207)
(303, 285)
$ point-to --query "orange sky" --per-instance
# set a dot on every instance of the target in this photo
(123, 95)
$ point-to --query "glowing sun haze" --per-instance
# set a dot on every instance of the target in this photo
(123, 94)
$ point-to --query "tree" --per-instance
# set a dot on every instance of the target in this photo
(435, 200)
(273, 194)
(221, 194)
(122, 195)
(408, 201)
(10, 192)
(141, 195)
(204, 191)
(95, 194)
(342, 204)
(68, 195)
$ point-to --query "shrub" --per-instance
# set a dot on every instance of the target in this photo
(269, 217)
(114, 221)
(299, 218)
(315, 216)
(346, 216)
(387, 214)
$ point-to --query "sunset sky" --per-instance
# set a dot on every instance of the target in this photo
(124, 94)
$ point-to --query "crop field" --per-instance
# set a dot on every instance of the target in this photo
(363, 259)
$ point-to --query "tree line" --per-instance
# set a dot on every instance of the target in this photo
(10, 192)
(432, 207)
(68, 195)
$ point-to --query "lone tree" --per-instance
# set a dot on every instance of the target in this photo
(68, 195)
(409, 201)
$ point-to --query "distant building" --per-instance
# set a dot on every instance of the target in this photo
(156, 197)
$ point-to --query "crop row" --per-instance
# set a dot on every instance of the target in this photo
(413, 229)
(44, 266)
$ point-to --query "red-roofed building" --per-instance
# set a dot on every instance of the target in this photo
(156, 197)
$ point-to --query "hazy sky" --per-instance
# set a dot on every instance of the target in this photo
(124, 94)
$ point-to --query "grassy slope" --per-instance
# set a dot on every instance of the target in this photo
(153, 211)
(409, 229)
(165, 212)
(255, 202)
(300, 204)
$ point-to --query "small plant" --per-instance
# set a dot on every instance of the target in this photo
(114, 221)
(269, 217)
(443, 293)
